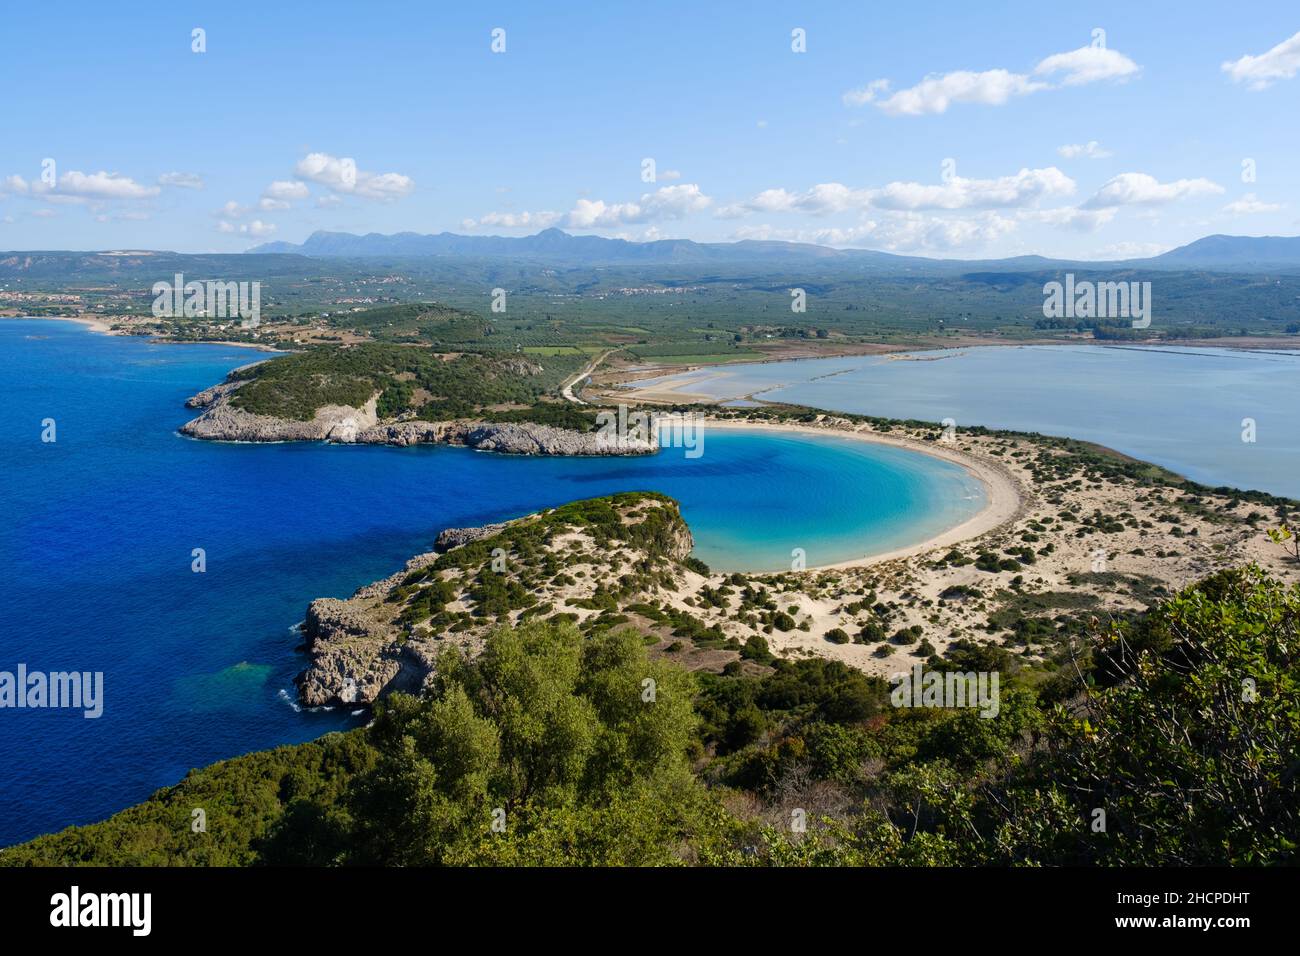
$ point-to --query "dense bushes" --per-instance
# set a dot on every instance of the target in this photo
(1179, 748)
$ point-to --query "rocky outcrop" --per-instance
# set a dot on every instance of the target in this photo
(457, 537)
(354, 660)
(209, 395)
(368, 646)
(224, 421)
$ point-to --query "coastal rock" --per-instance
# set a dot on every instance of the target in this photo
(369, 645)
(353, 658)
(223, 421)
(512, 438)
(209, 395)
(457, 537)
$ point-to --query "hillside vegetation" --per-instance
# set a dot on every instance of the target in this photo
(411, 382)
(1172, 739)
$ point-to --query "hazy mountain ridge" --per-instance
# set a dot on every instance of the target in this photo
(1234, 253)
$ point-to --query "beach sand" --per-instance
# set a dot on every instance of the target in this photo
(95, 324)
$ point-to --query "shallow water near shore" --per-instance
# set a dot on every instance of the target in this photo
(99, 527)
(1179, 407)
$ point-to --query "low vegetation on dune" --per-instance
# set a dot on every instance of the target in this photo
(1170, 738)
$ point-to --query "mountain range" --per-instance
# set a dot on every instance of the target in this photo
(1229, 253)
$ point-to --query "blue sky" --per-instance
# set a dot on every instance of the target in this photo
(387, 117)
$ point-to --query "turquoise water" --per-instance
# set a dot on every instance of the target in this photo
(97, 530)
(1179, 407)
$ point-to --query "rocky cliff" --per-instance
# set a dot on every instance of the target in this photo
(571, 560)
(223, 421)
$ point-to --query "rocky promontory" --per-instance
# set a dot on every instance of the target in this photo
(387, 637)
(222, 420)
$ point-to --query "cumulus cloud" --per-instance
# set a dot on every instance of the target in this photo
(937, 92)
(231, 210)
(866, 94)
(181, 180)
(254, 230)
(1282, 62)
(1140, 189)
(1089, 64)
(75, 186)
(1024, 188)
(899, 232)
(286, 189)
(1250, 204)
(343, 176)
(1089, 150)
(515, 220)
(666, 202)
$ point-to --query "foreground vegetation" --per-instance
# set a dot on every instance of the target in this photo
(1170, 738)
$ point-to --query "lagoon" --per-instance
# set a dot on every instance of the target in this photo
(99, 527)
(1187, 409)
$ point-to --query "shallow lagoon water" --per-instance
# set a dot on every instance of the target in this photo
(1182, 408)
(98, 530)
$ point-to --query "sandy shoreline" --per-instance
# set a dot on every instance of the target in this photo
(102, 327)
(95, 325)
(1005, 497)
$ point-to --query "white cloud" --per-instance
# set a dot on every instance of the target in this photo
(671, 174)
(1140, 189)
(1250, 204)
(1282, 62)
(935, 94)
(181, 180)
(1089, 64)
(286, 189)
(74, 186)
(102, 185)
(231, 210)
(1022, 189)
(1089, 150)
(271, 205)
(666, 202)
(343, 176)
(866, 94)
(255, 229)
(515, 220)
(588, 213)
(902, 232)
(328, 202)
(938, 91)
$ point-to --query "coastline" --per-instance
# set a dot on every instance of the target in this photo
(98, 326)
(103, 327)
(1005, 497)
